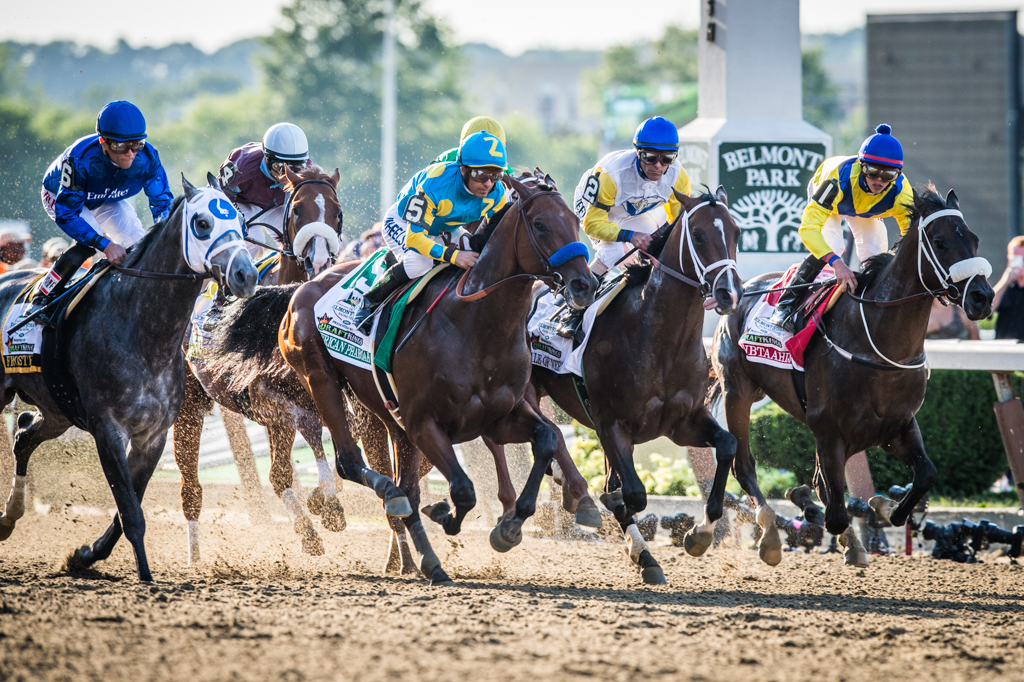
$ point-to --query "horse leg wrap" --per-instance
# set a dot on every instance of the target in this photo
(326, 478)
(15, 508)
(311, 542)
(854, 553)
(430, 565)
(635, 543)
(770, 546)
(193, 543)
(395, 502)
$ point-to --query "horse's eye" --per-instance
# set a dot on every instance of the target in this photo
(538, 225)
(203, 225)
(698, 239)
(939, 244)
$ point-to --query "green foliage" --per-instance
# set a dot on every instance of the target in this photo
(820, 96)
(324, 63)
(565, 157)
(957, 423)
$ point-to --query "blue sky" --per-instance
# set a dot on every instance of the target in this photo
(515, 27)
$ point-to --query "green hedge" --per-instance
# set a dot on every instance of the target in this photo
(957, 422)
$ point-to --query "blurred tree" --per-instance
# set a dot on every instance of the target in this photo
(820, 95)
(324, 66)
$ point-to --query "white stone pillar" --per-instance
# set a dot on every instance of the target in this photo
(750, 135)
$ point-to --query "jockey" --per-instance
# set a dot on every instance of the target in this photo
(617, 199)
(254, 174)
(477, 123)
(425, 224)
(863, 189)
(86, 191)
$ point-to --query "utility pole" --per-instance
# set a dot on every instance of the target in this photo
(389, 86)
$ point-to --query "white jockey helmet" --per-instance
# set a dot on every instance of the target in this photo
(285, 142)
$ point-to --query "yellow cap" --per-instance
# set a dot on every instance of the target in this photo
(485, 123)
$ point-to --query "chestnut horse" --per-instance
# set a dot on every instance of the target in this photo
(463, 372)
(279, 403)
(646, 370)
(866, 392)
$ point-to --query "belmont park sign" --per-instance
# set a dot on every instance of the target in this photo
(767, 186)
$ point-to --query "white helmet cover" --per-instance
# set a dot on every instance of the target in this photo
(286, 141)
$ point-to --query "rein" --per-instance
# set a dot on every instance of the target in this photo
(287, 248)
(546, 260)
(726, 264)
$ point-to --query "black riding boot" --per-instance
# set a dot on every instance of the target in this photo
(56, 280)
(392, 280)
(569, 324)
(785, 312)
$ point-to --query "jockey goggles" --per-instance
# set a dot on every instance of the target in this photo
(279, 166)
(875, 172)
(119, 147)
(481, 175)
(655, 157)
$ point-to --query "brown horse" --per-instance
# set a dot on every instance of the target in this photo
(464, 371)
(646, 370)
(277, 402)
(866, 392)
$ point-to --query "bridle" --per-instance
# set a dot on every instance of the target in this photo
(287, 248)
(701, 283)
(556, 259)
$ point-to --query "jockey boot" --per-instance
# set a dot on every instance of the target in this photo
(785, 311)
(569, 325)
(392, 280)
(56, 280)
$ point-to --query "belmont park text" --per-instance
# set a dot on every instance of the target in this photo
(776, 155)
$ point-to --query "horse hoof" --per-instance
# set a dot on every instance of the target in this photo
(587, 513)
(333, 515)
(698, 543)
(506, 535)
(858, 558)
(6, 527)
(315, 502)
(770, 547)
(25, 419)
(438, 512)
(438, 578)
(398, 507)
(653, 575)
(882, 506)
(311, 542)
(79, 560)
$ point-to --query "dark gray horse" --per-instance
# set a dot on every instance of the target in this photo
(124, 353)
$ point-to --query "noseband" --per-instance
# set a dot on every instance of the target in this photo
(288, 249)
(701, 283)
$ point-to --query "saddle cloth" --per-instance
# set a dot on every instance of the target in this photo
(553, 352)
(21, 350)
(767, 344)
(336, 309)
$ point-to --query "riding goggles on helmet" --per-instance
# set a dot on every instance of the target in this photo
(655, 157)
(875, 172)
(279, 166)
(119, 147)
(482, 175)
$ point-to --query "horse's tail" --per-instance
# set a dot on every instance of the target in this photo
(714, 393)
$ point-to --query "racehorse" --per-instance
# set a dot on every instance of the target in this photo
(646, 371)
(308, 246)
(123, 350)
(463, 373)
(866, 392)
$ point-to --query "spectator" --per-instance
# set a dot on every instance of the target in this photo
(1009, 300)
(368, 242)
(12, 249)
(951, 322)
(52, 250)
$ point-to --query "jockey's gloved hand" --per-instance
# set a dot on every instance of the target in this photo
(641, 241)
(466, 259)
(115, 253)
(845, 275)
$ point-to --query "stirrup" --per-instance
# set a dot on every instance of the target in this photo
(784, 320)
(569, 327)
(363, 320)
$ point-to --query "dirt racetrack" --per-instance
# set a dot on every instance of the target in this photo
(258, 609)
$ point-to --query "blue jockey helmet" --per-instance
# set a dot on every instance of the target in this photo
(121, 121)
(656, 133)
(482, 149)
(882, 148)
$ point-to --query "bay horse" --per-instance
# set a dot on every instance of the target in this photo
(124, 352)
(464, 371)
(308, 246)
(646, 370)
(865, 392)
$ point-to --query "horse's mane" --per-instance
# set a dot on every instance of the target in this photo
(924, 198)
(314, 172)
(140, 247)
(638, 274)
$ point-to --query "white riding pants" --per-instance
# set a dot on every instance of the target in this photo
(416, 264)
(274, 217)
(115, 220)
(868, 233)
(607, 253)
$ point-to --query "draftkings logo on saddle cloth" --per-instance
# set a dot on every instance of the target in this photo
(767, 344)
(336, 309)
(22, 349)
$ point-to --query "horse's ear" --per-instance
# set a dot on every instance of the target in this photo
(721, 196)
(522, 190)
(550, 181)
(190, 190)
(683, 199)
(211, 180)
(336, 178)
(952, 201)
(293, 177)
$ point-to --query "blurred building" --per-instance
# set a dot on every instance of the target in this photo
(949, 84)
(544, 86)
